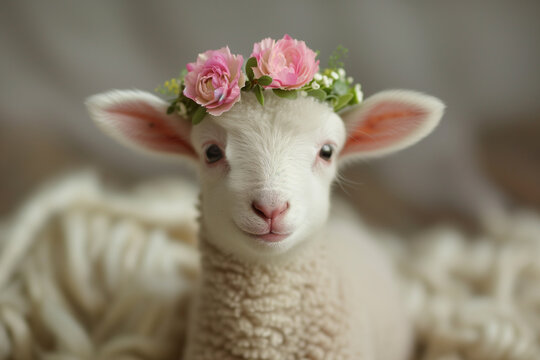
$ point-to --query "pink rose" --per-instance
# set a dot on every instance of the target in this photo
(214, 81)
(289, 62)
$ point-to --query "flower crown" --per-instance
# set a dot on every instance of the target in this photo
(287, 67)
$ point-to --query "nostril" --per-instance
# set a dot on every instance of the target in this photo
(283, 208)
(269, 212)
(258, 209)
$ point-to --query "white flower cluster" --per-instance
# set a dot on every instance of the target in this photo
(327, 80)
(329, 77)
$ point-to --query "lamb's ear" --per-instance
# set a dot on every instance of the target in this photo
(389, 121)
(139, 120)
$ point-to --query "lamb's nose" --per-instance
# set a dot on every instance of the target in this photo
(269, 212)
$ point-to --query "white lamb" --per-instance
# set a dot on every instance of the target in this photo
(280, 281)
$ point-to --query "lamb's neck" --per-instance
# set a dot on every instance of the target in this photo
(284, 310)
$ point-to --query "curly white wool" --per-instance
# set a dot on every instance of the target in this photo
(79, 269)
(475, 299)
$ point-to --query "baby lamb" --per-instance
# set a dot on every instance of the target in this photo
(279, 279)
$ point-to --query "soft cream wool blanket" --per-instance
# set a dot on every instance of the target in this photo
(87, 273)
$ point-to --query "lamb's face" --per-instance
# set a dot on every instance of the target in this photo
(266, 173)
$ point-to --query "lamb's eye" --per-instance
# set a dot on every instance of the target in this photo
(213, 154)
(326, 152)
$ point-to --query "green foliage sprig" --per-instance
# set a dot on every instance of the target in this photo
(181, 104)
(337, 58)
(257, 85)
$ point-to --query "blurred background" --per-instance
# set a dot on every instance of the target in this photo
(480, 57)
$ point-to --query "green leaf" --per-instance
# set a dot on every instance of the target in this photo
(264, 80)
(249, 73)
(252, 62)
(341, 87)
(248, 86)
(259, 94)
(342, 101)
(171, 108)
(317, 94)
(198, 115)
(331, 97)
(287, 94)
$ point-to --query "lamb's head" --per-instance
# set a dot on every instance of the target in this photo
(266, 171)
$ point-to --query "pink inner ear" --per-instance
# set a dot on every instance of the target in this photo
(144, 126)
(384, 125)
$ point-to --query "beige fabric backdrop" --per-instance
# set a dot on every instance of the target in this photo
(481, 57)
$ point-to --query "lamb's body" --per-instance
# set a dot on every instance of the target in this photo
(335, 299)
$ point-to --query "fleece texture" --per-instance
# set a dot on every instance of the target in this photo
(269, 311)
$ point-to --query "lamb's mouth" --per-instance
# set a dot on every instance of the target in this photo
(270, 237)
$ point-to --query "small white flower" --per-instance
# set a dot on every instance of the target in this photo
(318, 77)
(327, 82)
(315, 86)
(303, 93)
(350, 80)
(358, 93)
(341, 73)
(334, 75)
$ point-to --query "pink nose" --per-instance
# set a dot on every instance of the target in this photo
(269, 212)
